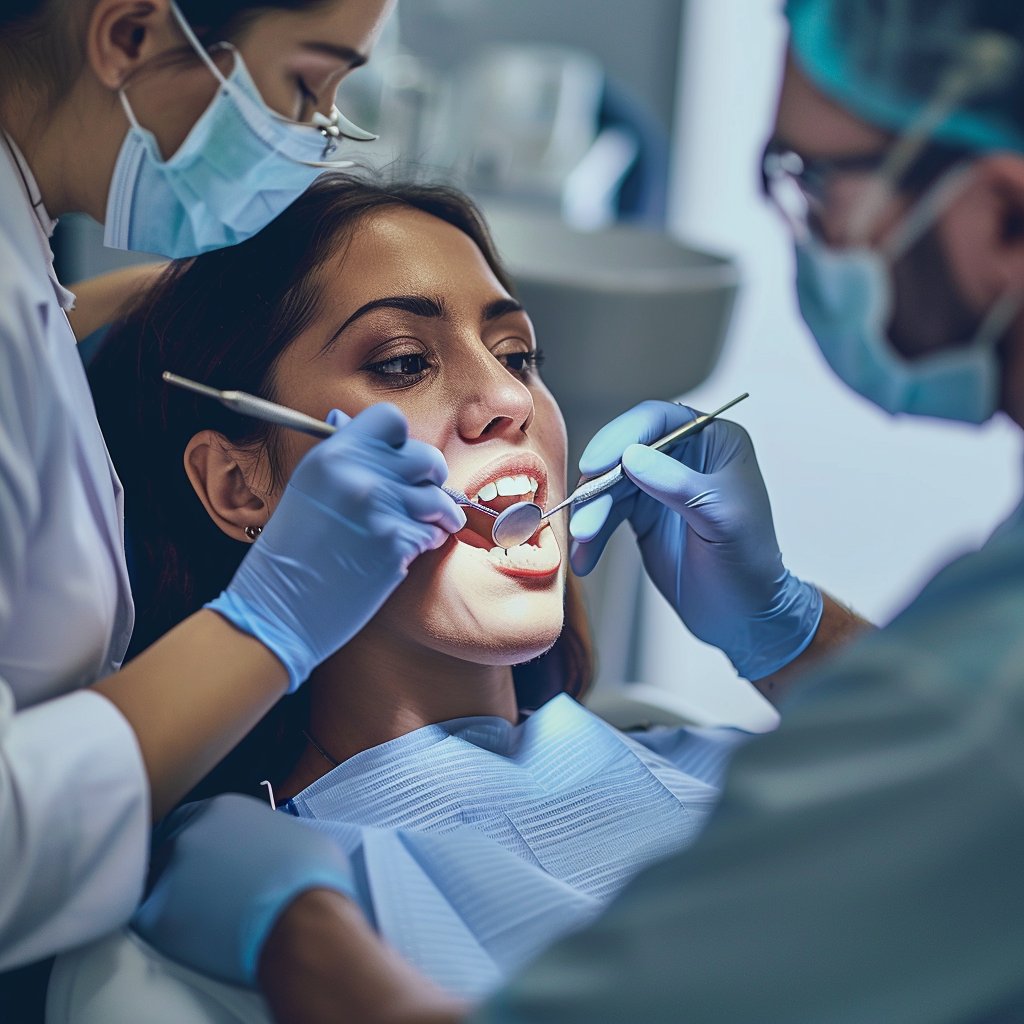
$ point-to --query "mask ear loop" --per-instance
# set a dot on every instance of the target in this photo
(925, 212)
(205, 57)
(129, 113)
(985, 62)
(200, 50)
(1000, 316)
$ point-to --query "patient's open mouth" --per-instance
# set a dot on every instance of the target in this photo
(499, 495)
(502, 484)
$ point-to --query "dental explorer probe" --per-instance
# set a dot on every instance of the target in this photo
(516, 524)
(281, 415)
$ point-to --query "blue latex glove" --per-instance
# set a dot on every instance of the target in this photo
(222, 871)
(359, 507)
(702, 518)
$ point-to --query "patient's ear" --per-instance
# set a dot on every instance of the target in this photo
(224, 486)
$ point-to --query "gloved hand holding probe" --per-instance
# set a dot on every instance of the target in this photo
(702, 518)
(360, 506)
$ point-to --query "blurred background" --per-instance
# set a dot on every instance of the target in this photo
(615, 148)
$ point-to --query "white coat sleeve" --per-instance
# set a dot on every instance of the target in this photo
(74, 814)
(74, 817)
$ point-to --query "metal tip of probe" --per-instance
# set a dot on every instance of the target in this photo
(191, 385)
(729, 405)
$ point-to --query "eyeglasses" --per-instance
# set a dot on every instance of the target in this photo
(798, 186)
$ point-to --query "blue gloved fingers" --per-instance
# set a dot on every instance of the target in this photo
(413, 460)
(683, 490)
(593, 522)
(222, 873)
(384, 422)
(642, 424)
(590, 528)
(588, 519)
(418, 462)
(584, 556)
(358, 509)
(427, 503)
(645, 422)
(347, 469)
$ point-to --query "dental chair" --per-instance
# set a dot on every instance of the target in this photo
(119, 979)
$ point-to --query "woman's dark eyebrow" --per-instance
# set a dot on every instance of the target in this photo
(352, 58)
(418, 305)
(501, 307)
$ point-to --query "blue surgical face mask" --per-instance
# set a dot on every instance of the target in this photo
(846, 299)
(238, 168)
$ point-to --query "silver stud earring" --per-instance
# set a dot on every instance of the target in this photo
(252, 532)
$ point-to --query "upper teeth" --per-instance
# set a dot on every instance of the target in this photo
(507, 485)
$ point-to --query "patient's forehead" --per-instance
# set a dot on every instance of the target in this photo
(399, 251)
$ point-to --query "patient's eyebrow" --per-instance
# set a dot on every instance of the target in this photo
(501, 307)
(418, 305)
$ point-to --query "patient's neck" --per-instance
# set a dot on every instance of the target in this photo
(380, 687)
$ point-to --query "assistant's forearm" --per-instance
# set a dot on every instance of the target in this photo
(100, 300)
(838, 626)
(191, 697)
(323, 963)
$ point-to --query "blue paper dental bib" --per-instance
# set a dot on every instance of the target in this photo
(477, 843)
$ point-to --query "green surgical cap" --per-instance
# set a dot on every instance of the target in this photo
(889, 61)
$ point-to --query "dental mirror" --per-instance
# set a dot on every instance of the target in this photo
(516, 524)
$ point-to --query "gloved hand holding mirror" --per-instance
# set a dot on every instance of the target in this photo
(702, 518)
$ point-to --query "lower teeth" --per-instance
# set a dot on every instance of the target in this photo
(523, 556)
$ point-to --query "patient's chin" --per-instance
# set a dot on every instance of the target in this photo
(513, 636)
(461, 601)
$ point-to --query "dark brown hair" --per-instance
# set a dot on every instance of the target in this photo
(225, 318)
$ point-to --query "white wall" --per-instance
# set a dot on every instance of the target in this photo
(865, 505)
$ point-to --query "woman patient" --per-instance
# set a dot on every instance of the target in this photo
(484, 810)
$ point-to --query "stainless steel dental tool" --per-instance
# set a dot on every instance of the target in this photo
(280, 415)
(514, 525)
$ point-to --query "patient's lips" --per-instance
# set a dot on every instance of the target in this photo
(521, 476)
(518, 476)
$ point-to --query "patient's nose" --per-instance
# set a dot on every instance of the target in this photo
(497, 403)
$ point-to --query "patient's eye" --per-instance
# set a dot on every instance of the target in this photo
(523, 364)
(404, 369)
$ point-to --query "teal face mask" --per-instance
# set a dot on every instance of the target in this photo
(846, 299)
(238, 168)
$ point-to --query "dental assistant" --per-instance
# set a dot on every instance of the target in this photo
(182, 128)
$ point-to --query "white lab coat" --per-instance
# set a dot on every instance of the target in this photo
(74, 805)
